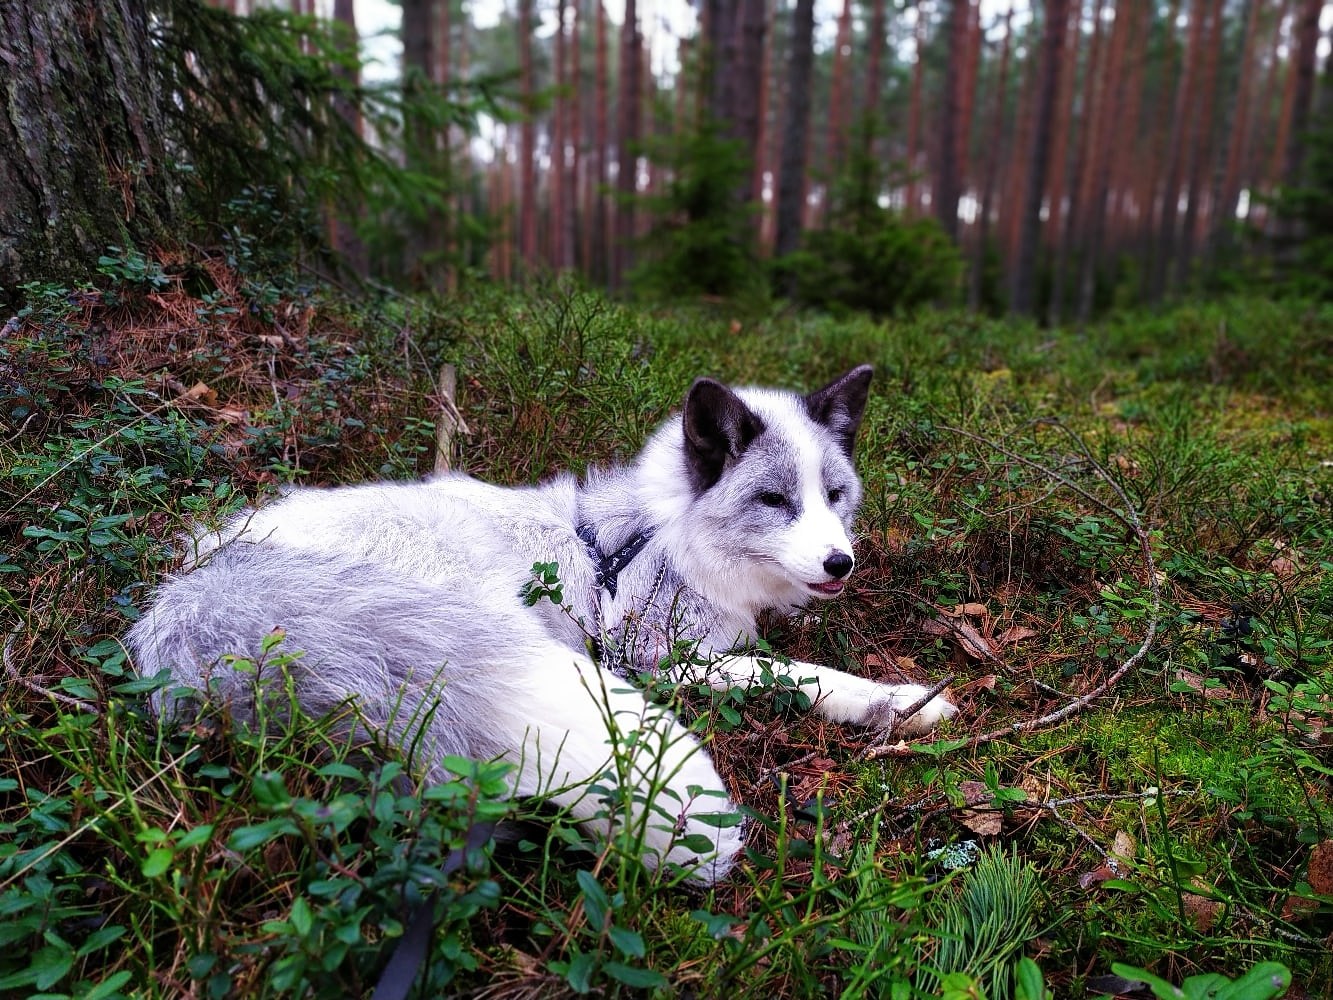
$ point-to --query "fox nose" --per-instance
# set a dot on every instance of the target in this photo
(838, 565)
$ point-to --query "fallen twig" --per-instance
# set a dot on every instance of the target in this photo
(34, 684)
(1130, 518)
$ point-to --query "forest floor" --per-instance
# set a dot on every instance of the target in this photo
(1115, 544)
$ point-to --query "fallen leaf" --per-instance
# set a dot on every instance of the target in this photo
(1298, 908)
(272, 339)
(1017, 633)
(983, 824)
(1320, 874)
(973, 643)
(1100, 874)
(1201, 910)
(978, 610)
(200, 393)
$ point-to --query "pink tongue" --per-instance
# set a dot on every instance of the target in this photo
(833, 587)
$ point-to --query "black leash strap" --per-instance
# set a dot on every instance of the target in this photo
(414, 946)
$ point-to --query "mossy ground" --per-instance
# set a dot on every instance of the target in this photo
(1173, 821)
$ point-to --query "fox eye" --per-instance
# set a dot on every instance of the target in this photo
(771, 499)
(835, 494)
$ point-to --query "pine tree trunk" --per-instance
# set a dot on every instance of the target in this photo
(1023, 297)
(527, 218)
(1201, 143)
(1227, 192)
(991, 166)
(627, 134)
(1302, 98)
(600, 238)
(795, 131)
(70, 189)
(1067, 234)
(1110, 118)
(559, 103)
(1168, 224)
(874, 80)
(837, 116)
(914, 116)
(945, 195)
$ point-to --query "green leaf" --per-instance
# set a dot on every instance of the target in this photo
(301, 916)
(247, 838)
(109, 986)
(1028, 981)
(1160, 987)
(1265, 980)
(642, 979)
(194, 838)
(628, 941)
(595, 901)
(158, 861)
(50, 965)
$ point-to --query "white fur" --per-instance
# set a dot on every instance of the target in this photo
(390, 588)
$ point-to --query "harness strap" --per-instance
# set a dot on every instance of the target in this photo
(610, 566)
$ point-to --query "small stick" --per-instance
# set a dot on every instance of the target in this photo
(449, 420)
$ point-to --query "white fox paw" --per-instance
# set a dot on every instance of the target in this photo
(887, 714)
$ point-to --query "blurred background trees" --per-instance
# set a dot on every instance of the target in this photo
(1048, 158)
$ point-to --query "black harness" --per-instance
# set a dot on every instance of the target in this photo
(608, 567)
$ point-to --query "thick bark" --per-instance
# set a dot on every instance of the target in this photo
(795, 131)
(1023, 296)
(83, 163)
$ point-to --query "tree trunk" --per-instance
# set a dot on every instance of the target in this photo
(795, 131)
(627, 134)
(874, 81)
(1109, 118)
(1227, 193)
(1183, 116)
(527, 218)
(914, 116)
(991, 166)
(837, 119)
(945, 196)
(1201, 142)
(1303, 74)
(84, 137)
(559, 103)
(600, 238)
(1023, 297)
(1067, 233)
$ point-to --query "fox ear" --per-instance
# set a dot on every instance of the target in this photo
(718, 428)
(840, 405)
